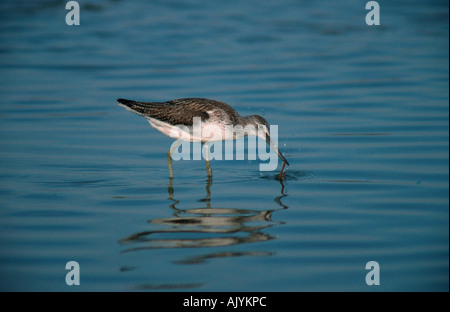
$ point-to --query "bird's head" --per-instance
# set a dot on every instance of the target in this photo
(262, 124)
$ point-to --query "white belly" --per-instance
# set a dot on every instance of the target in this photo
(202, 132)
(208, 131)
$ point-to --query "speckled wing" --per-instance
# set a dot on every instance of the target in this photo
(171, 112)
(180, 111)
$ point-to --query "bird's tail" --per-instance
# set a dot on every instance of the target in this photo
(140, 108)
(127, 103)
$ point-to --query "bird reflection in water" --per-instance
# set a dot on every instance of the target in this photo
(207, 227)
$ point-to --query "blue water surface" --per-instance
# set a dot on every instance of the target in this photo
(362, 114)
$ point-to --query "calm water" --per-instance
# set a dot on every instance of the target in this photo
(363, 119)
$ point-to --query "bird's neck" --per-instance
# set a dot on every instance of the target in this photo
(248, 121)
(250, 124)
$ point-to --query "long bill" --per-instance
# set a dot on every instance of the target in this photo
(275, 148)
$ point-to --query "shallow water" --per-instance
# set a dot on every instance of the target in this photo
(363, 120)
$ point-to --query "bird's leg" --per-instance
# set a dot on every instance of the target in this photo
(208, 193)
(169, 156)
(169, 161)
(208, 165)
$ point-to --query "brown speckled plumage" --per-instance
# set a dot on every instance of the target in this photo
(182, 111)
